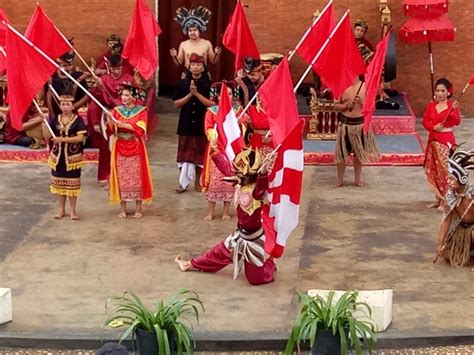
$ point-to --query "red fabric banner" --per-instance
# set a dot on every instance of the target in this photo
(317, 35)
(238, 38)
(140, 47)
(471, 81)
(372, 80)
(27, 72)
(3, 17)
(340, 62)
(45, 35)
(279, 102)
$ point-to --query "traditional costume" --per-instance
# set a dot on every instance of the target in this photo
(351, 138)
(65, 159)
(365, 47)
(108, 93)
(32, 138)
(130, 175)
(192, 140)
(212, 182)
(458, 240)
(245, 246)
(437, 147)
(258, 124)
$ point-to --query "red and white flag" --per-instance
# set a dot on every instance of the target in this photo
(230, 138)
(281, 215)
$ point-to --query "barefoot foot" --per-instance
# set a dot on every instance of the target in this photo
(226, 217)
(208, 218)
(74, 217)
(60, 215)
(122, 215)
(183, 265)
(138, 215)
(358, 184)
(433, 204)
(338, 184)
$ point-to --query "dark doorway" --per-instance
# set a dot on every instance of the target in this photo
(172, 36)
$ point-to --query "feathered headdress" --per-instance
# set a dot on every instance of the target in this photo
(460, 162)
(194, 17)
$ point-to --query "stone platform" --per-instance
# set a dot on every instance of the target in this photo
(380, 236)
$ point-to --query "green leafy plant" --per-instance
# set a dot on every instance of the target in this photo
(317, 313)
(129, 311)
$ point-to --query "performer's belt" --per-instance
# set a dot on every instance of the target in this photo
(446, 130)
(262, 132)
(250, 236)
(126, 135)
(351, 121)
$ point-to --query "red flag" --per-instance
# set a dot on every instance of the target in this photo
(45, 35)
(230, 138)
(3, 60)
(372, 80)
(3, 29)
(317, 35)
(279, 102)
(27, 72)
(238, 38)
(281, 216)
(340, 62)
(140, 47)
(471, 81)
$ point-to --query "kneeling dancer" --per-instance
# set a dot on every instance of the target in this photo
(245, 246)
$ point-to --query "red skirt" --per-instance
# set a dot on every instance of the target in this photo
(191, 149)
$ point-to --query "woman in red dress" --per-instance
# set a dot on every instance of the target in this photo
(440, 116)
(130, 175)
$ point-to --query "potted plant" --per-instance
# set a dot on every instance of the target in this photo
(330, 325)
(160, 330)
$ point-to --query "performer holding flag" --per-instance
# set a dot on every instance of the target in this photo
(245, 246)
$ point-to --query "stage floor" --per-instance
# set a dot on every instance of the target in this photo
(380, 236)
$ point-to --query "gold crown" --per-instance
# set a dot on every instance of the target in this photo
(66, 98)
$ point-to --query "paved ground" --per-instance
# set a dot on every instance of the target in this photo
(381, 236)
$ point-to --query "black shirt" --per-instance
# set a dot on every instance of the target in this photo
(191, 116)
(67, 87)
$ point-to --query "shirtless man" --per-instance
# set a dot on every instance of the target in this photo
(350, 135)
(194, 22)
(456, 233)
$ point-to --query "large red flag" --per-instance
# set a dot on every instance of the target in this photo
(281, 216)
(340, 62)
(42, 32)
(229, 136)
(3, 38)
(372, 80)
(317, 35)
(238, 38)
(140, 47)
(279, 102)
(3, 60)
(27, 72)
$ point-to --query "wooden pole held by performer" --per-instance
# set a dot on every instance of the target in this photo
(38, 108)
